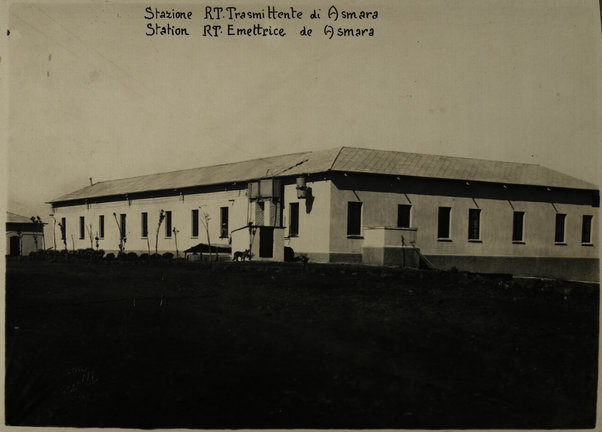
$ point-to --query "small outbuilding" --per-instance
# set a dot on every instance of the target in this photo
(23, 234)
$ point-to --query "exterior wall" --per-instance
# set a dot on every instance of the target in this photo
(181, 208)
(314, 220)
(381, 196)
(323, 223)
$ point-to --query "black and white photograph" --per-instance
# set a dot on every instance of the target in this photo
(301, 214)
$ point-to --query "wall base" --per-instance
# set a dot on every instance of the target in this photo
(579, 269)
(391, 256)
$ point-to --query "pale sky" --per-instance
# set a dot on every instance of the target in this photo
(91, 96)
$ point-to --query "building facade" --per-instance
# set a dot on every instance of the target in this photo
(352, 205)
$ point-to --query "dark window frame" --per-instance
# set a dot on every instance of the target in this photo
(101, 226)
(293, 226)
(123, 224)
(82, 227)
(194, 220)
(444, 229)
(518, 227)
(224, 215)
(354, 218)
(560, 229)
(586, 229)
(404, 214)
(64, 229)
(474, 224)
(144, 224)
(168, 223)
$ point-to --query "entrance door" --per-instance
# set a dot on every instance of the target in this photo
(266, 242)
(15, 246)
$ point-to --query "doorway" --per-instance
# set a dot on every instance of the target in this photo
(266, 242)
(15, 246)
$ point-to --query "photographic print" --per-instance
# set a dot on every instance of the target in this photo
(302, 214)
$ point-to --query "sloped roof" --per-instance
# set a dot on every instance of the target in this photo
(347, 159)
(15, 218)
(448, 167)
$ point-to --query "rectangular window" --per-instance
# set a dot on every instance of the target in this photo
(403, 215)
(443, 223)
(354, 218)
(293, 228)
(82, 228)
(560, 225)
(474, 224)
(195, 222)
(518, 221)
(101, 226)
(122, 226)
(144, 225)
(223, 222)
(168, 227)
(63, 228)
(586, 229)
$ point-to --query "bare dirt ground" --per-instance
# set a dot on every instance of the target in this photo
(287, 346)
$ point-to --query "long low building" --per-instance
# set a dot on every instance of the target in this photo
(352, 205)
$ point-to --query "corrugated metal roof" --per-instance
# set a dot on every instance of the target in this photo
(349, 159)
(448, 167)
(283, 165)
(15, 218)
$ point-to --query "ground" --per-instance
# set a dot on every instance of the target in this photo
(250, 345)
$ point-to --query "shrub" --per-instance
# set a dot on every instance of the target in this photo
(144, 256)
(132, 256)
(110, 256)
(167, 255)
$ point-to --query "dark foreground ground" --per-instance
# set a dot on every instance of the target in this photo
(273, 346)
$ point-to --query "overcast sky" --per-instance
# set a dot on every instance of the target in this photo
(90, 95)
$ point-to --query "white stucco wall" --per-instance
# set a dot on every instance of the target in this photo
(181, 209)
(314, 219)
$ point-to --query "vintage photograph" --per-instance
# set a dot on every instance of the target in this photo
(302, 214)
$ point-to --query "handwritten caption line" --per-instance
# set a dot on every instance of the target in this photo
(232, 21)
